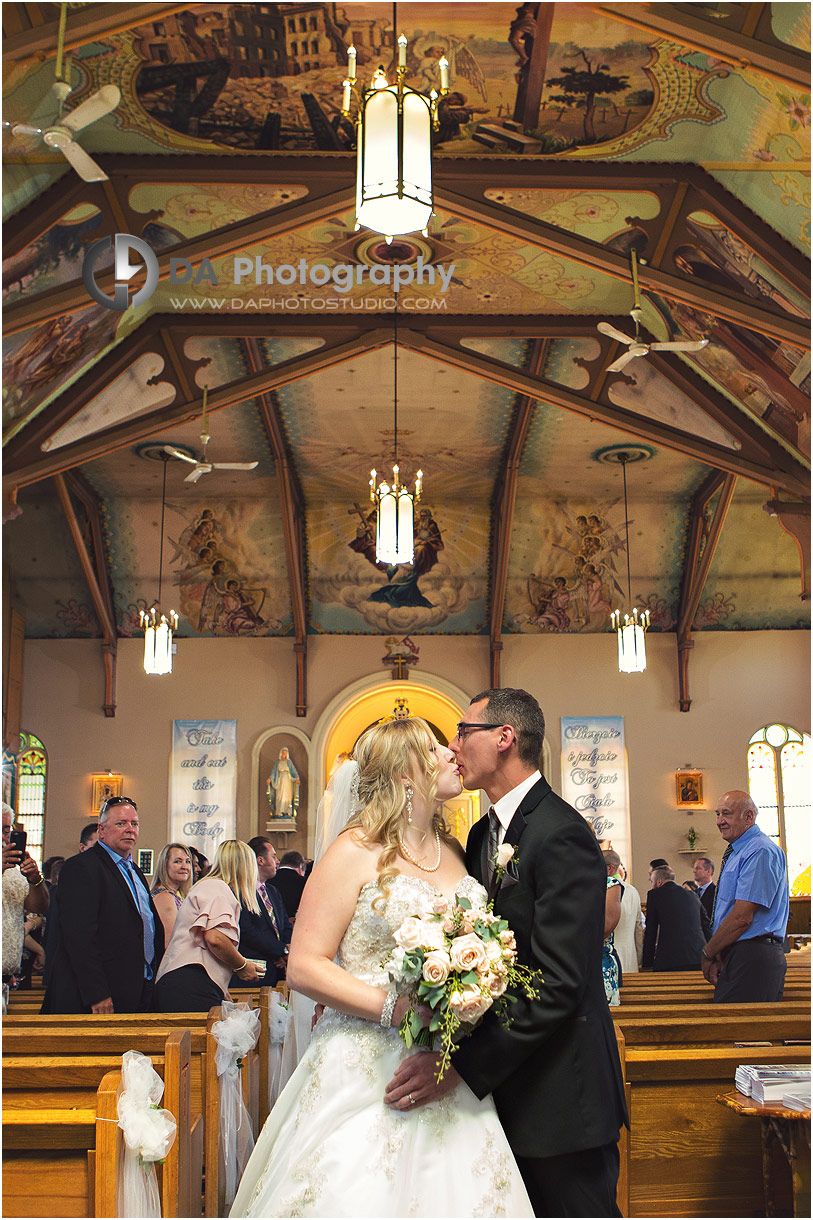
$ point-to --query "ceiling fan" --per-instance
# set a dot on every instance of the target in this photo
(635, 345)
(57, 129)
(201, 465)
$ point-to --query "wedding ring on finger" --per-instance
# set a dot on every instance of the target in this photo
(411, 1099)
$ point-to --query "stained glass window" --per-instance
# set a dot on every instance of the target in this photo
(32, 765)
(779, 783)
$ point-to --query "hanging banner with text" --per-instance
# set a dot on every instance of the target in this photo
(594, 777)
(203, 784)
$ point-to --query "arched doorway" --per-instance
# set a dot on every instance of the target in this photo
(364, 703)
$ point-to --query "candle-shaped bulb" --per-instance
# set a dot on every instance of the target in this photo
(443, 64)
(351, 63)
(345, 96)
(402, 46)
(379, 78)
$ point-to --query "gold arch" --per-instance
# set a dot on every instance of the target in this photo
(369, 706)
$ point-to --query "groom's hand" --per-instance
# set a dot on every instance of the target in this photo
(414, 1084)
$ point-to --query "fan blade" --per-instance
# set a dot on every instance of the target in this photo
(622, 362)
(96, 107)
(179, 453)
(234, 465)
(82, 162)
(689, 345)
(197, 473)
(619, 336)
(19, 130)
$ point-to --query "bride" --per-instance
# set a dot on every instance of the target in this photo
(331, 1147)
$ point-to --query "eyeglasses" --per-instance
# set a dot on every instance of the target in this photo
(463, 728)
(112, 801)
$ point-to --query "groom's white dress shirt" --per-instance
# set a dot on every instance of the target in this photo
(507, 805)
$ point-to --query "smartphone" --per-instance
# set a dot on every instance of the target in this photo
(18, 841)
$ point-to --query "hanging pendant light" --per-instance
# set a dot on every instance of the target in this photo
(632, 631)
(394, 125)
(158, 627)
(395, 503)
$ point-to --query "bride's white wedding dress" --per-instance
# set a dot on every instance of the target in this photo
(331, 1147)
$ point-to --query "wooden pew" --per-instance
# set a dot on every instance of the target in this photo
(716, 1028)
(688, 1155)
(61, 1145)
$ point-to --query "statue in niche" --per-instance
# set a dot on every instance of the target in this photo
(283, 787)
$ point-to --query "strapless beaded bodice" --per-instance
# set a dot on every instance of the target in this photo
(368, 940)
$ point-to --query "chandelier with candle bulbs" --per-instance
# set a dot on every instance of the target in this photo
(394, 125)
(158, 627)
(395, 503)
(631, 631)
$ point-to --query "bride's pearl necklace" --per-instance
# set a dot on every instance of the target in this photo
(430, 868)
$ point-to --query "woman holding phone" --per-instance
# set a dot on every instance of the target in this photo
(24, 891)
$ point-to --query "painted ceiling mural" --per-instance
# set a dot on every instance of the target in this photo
(258, 87)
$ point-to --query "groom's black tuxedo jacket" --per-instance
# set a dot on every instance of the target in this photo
(555, 1073)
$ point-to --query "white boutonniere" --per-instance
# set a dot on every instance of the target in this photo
(505, 861)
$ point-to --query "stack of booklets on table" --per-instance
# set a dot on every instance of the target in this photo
(798, 1098)
(769, 1083)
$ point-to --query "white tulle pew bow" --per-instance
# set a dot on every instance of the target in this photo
(149, 1133)
(236, 1034)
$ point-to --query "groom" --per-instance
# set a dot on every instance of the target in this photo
(555, 1073)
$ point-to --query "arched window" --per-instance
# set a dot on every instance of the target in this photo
(779, 783)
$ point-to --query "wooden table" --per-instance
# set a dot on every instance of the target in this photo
(791, 1130)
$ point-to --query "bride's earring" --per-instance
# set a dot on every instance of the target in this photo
(409, 795)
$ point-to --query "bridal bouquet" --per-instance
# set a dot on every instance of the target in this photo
(456, 959)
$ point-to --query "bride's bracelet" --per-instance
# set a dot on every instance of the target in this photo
(385, 1019)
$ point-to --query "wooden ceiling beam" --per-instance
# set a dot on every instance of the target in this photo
(502, 509)
(79, 487)
(716, 38)
(794, 480)
(587, 253)
(68, 192)
(24, 439)
(91, 22)
(100, 604)
(131, 432)
(241, 235)
(702, 543)
(292, 502)
(167, 333)
(754, 437)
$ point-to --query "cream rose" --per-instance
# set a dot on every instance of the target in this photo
(432, 934)
(410, 934)
(440, 906)
(436, 967)
(496, 984)
(468, 953)
(469, 1003)
(494, 951)
(505, 853)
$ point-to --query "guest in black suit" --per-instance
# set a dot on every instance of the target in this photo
(555, 1073)
(673, 939)
(267, 935)
(110, 936)
(706, 889)
(290, 880)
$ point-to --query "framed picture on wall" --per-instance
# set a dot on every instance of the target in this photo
(104, 786)
(688, 789)
(145, 861)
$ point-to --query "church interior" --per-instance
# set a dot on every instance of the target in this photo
(598, 359)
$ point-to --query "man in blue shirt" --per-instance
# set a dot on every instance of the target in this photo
(745, 958)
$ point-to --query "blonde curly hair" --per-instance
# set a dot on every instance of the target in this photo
(387, 753)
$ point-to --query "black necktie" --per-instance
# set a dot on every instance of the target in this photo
(726, 855)
(493, 841)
